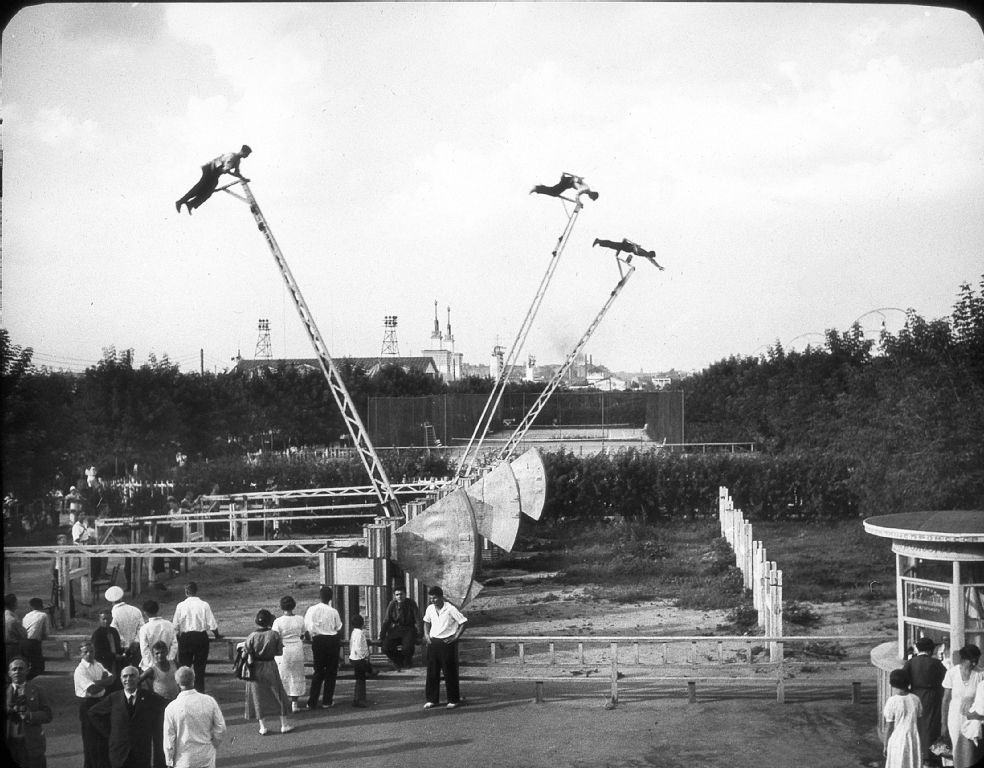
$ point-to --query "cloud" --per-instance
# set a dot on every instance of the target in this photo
(54, 127)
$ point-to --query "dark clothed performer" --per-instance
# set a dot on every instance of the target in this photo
(443, 625)
(129, 719)
(926, 674)
(323, 625)
(211, 172)
(401, 628)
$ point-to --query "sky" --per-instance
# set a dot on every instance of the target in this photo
(795, 167)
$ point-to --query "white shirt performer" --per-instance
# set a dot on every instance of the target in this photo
(193, 620)
(443, 625)
(193, 726)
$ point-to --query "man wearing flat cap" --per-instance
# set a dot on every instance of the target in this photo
(926, 672)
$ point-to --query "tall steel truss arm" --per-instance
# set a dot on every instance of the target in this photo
(360, 437)
(568, 182)
(625, 269)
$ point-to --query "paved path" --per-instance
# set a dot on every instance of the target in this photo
(501, 725)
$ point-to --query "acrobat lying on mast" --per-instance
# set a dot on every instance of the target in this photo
(211, 172)
(206, 186)
(627, 246)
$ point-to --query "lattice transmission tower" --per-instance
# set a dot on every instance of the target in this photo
(264, 351)
(391, 347)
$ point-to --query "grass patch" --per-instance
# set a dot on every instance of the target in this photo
(688, 562)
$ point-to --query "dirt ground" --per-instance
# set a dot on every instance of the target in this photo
(502, 724)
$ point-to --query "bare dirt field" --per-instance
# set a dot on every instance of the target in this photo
(502, 724)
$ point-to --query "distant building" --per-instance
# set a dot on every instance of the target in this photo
(607, 382)
(370, 365)
(447, 361)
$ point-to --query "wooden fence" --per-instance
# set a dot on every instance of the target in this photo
(760, 575)
(681, 662)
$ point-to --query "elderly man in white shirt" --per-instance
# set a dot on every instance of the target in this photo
(157, 629)
(443, 625)
(193, 726)
(323, 625)
(127, 620)
(193, 620)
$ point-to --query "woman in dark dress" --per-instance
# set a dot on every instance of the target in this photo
(266, 687)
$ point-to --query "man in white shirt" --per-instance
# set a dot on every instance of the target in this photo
(91, 681)
(75, 505)
(37, 627)
(193, 726)
(323, 625)
(82, 530)
(193, 620)
(156, 629)
(211, 171)
(443, 625)
(127, 620)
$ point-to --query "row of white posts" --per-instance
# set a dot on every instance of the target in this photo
(759, 574)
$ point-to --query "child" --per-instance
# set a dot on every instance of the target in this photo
(359, 656)
(902, 710)
(37, 625)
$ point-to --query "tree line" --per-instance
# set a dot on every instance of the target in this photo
(895, 422)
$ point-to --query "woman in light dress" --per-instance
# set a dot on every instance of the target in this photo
(267, 691)
(959, 689)
(291, 663)
(968, 749)
(902, 747)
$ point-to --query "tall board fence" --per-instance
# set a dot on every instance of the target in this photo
(759, 574)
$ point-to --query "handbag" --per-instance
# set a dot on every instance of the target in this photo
(242, 666)
(942, 747)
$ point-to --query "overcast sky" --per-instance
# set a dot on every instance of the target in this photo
(793, 166)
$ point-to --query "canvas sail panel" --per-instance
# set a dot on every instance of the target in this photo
(495, 499)
(531, 476)
(440, 546)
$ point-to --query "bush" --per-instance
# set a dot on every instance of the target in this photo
(800, 614)
(742, 619)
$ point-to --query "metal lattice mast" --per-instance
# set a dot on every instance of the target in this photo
(470, 453)
(391, 347)
(507, 450)
(360, 437)
(264, 350)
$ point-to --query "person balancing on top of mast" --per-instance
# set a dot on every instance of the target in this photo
(211, 171)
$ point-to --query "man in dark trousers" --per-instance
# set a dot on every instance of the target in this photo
(130, 719)
(443, 625)
(211, 171)
(193, 620)
(323, 625)
(926, 674)
(400, 630)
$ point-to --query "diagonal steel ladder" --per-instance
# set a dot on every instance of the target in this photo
(360, 436)
(466, 464)
(507, 451)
